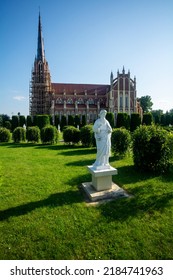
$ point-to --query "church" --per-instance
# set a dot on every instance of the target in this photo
(66, 99)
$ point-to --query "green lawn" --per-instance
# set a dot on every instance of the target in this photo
(44, 215)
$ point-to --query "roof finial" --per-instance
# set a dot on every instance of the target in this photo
(111, 78)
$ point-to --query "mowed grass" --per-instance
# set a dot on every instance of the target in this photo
(44, 215)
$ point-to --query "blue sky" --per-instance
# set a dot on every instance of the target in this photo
(84, 41)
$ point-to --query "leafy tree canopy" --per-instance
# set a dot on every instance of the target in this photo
(146, 103)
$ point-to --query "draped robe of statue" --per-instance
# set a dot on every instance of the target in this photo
(102, 130)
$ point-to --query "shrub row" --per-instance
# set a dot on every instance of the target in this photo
(5, 135)
(73, 135)
(152, 146)
(47, 135)
(121, 140)
(152, 149)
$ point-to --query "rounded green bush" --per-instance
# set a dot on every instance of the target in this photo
(19, 135)
(151, 149)
(49, 135)
(120, 141)
(71, 134)
(7, 124)
(87, 136)
(33, 134)
(5, 135)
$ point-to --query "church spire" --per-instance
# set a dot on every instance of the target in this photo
(40, 45)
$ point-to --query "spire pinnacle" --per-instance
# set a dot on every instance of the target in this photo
(40, 45)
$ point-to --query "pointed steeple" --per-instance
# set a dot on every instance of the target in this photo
(40, 44)
(111, 78)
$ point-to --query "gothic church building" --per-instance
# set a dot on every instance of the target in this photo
(78, 99)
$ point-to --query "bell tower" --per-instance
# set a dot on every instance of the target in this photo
(40, 85)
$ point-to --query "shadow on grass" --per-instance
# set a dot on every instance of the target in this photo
(79, 151)
(18, 145)
(128, 175)
(54, 200)
(76, 181)
(84, 163)
(68, 150)
(36, 146)
(124, 208)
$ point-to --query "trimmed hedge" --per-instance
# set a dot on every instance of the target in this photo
(120, 140)
(42, 120)
(33, 134)
(77, 120)
(123, 120)
(7, 124)
(49, 135)
(5, 135)
(87, 136)
(57, 121)
(135, 121)
(19, 135)
(14, 122)
(29, 121)
(70, 120)
(71, 135)
(151, 149)
(147, 119)
(83, 121)
(22, 121)
(110, 118)
(63, 122)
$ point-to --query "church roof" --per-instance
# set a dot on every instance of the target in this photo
(79, 88)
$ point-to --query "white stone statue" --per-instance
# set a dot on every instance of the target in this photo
(102, 130)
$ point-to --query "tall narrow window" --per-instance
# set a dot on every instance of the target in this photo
(121, 101)
(127, 101)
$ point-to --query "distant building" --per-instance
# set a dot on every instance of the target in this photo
(78, 99)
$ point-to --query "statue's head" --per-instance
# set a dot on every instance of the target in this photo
(103, 113)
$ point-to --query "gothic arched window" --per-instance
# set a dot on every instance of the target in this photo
(69, 101)
(91, 101)
(59, 100)
(80, 101)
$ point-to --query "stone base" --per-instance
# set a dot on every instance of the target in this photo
(94, 196)
(102, 178)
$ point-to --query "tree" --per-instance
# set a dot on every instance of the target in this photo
(157, 115)
(146, 103)
(1, 121)
(167, 118)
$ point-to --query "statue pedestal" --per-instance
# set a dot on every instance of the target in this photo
(102, 178)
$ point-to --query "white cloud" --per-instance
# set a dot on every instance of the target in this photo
(19, 98)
